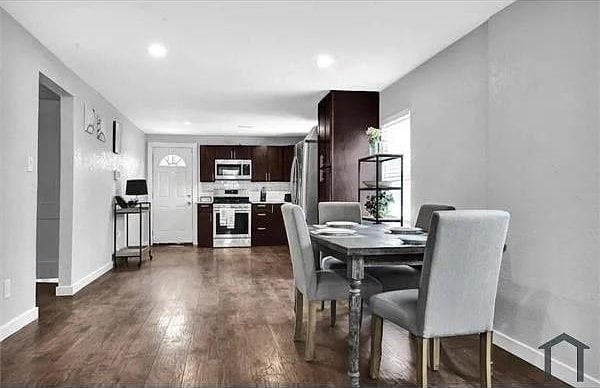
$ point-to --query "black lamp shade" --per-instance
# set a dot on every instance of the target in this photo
(136, 187)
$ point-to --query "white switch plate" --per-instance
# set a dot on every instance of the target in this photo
(7, 288)
(30, 164)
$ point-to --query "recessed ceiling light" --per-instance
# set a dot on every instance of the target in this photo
(157, 50)
(324, 60)
(187, 123)
(246, 126)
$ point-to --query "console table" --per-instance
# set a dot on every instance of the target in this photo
(129, 251)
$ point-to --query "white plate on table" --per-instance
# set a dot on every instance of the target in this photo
(335, 232)
(342, 224)
(413, 239)
(404, 230)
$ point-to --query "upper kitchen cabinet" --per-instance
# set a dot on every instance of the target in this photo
(210, 153)
(343, 118)
(267, 164)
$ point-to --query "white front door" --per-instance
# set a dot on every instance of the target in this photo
(172, 183)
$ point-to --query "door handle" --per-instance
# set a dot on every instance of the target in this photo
(261, 228)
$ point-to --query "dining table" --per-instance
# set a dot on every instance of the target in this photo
(371, 244)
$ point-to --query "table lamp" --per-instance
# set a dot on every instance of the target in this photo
(136, 187)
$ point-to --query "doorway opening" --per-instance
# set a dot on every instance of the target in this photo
(48, 193)
(54, 189)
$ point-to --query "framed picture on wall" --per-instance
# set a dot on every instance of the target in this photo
(116, 137)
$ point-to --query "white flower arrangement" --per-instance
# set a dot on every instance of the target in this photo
(374, 135)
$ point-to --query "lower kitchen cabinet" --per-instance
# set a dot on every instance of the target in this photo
(205, 225)
(267, 225)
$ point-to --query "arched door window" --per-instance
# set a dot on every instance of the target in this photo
(172, 161)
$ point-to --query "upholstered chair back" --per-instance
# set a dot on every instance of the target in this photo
(426, 212)
(339, 211)
(301, 250)
(460, 272)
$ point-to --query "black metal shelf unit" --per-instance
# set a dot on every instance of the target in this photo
(132, 250)
(378, 160)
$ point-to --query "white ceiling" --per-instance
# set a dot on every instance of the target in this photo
(234, 64)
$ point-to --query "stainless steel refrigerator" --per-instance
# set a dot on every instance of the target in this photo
(304, 176)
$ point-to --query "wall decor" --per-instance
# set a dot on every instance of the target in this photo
(89, 124)
(93, 123)
(116, 137)
(100, 135)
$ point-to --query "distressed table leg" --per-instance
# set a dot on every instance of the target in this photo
(355, 276)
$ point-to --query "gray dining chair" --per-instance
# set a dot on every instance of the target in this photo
(426, 212)
(457, 292)
(310, 283)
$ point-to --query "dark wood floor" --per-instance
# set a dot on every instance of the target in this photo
(212, 317)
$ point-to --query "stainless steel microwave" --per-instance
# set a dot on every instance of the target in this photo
(233, 169)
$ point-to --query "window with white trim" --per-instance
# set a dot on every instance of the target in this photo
(395, 135)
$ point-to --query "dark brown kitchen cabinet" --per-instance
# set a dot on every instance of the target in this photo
(205, 225)
(209, 153)
(343, 118)
(288, 157)
(267, 164)
(267, 225)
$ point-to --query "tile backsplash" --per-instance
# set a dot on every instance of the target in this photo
(275, 188)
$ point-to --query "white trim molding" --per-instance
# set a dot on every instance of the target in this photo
(535, 357)
(17, 323)
(85, 281)
(47, 280)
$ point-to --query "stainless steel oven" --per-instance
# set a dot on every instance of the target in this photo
(231, 219)
(233, 169)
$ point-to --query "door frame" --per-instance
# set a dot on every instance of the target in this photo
(150, 164)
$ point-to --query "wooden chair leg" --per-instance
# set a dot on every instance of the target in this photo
(360, 319)
(435, 354)
(376, 337)
(332, 313)
(309, 349)
(485, 358)
(299, 311)
(422, 350)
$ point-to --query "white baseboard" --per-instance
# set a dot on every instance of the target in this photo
(560, 370)
(80, 284)
(18, 323)
(48, 280)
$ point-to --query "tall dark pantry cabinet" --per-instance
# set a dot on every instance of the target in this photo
(343, 118)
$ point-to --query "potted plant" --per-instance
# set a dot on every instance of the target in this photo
(383, 199)
(374, 137)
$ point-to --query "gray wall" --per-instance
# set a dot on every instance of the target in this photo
(543, 167)
(48, 195)
(91, 165)
(447, 98)
(507, 118)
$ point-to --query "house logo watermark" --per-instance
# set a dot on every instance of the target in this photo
(580, 346)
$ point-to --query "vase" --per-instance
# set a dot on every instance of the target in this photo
(374, 148)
